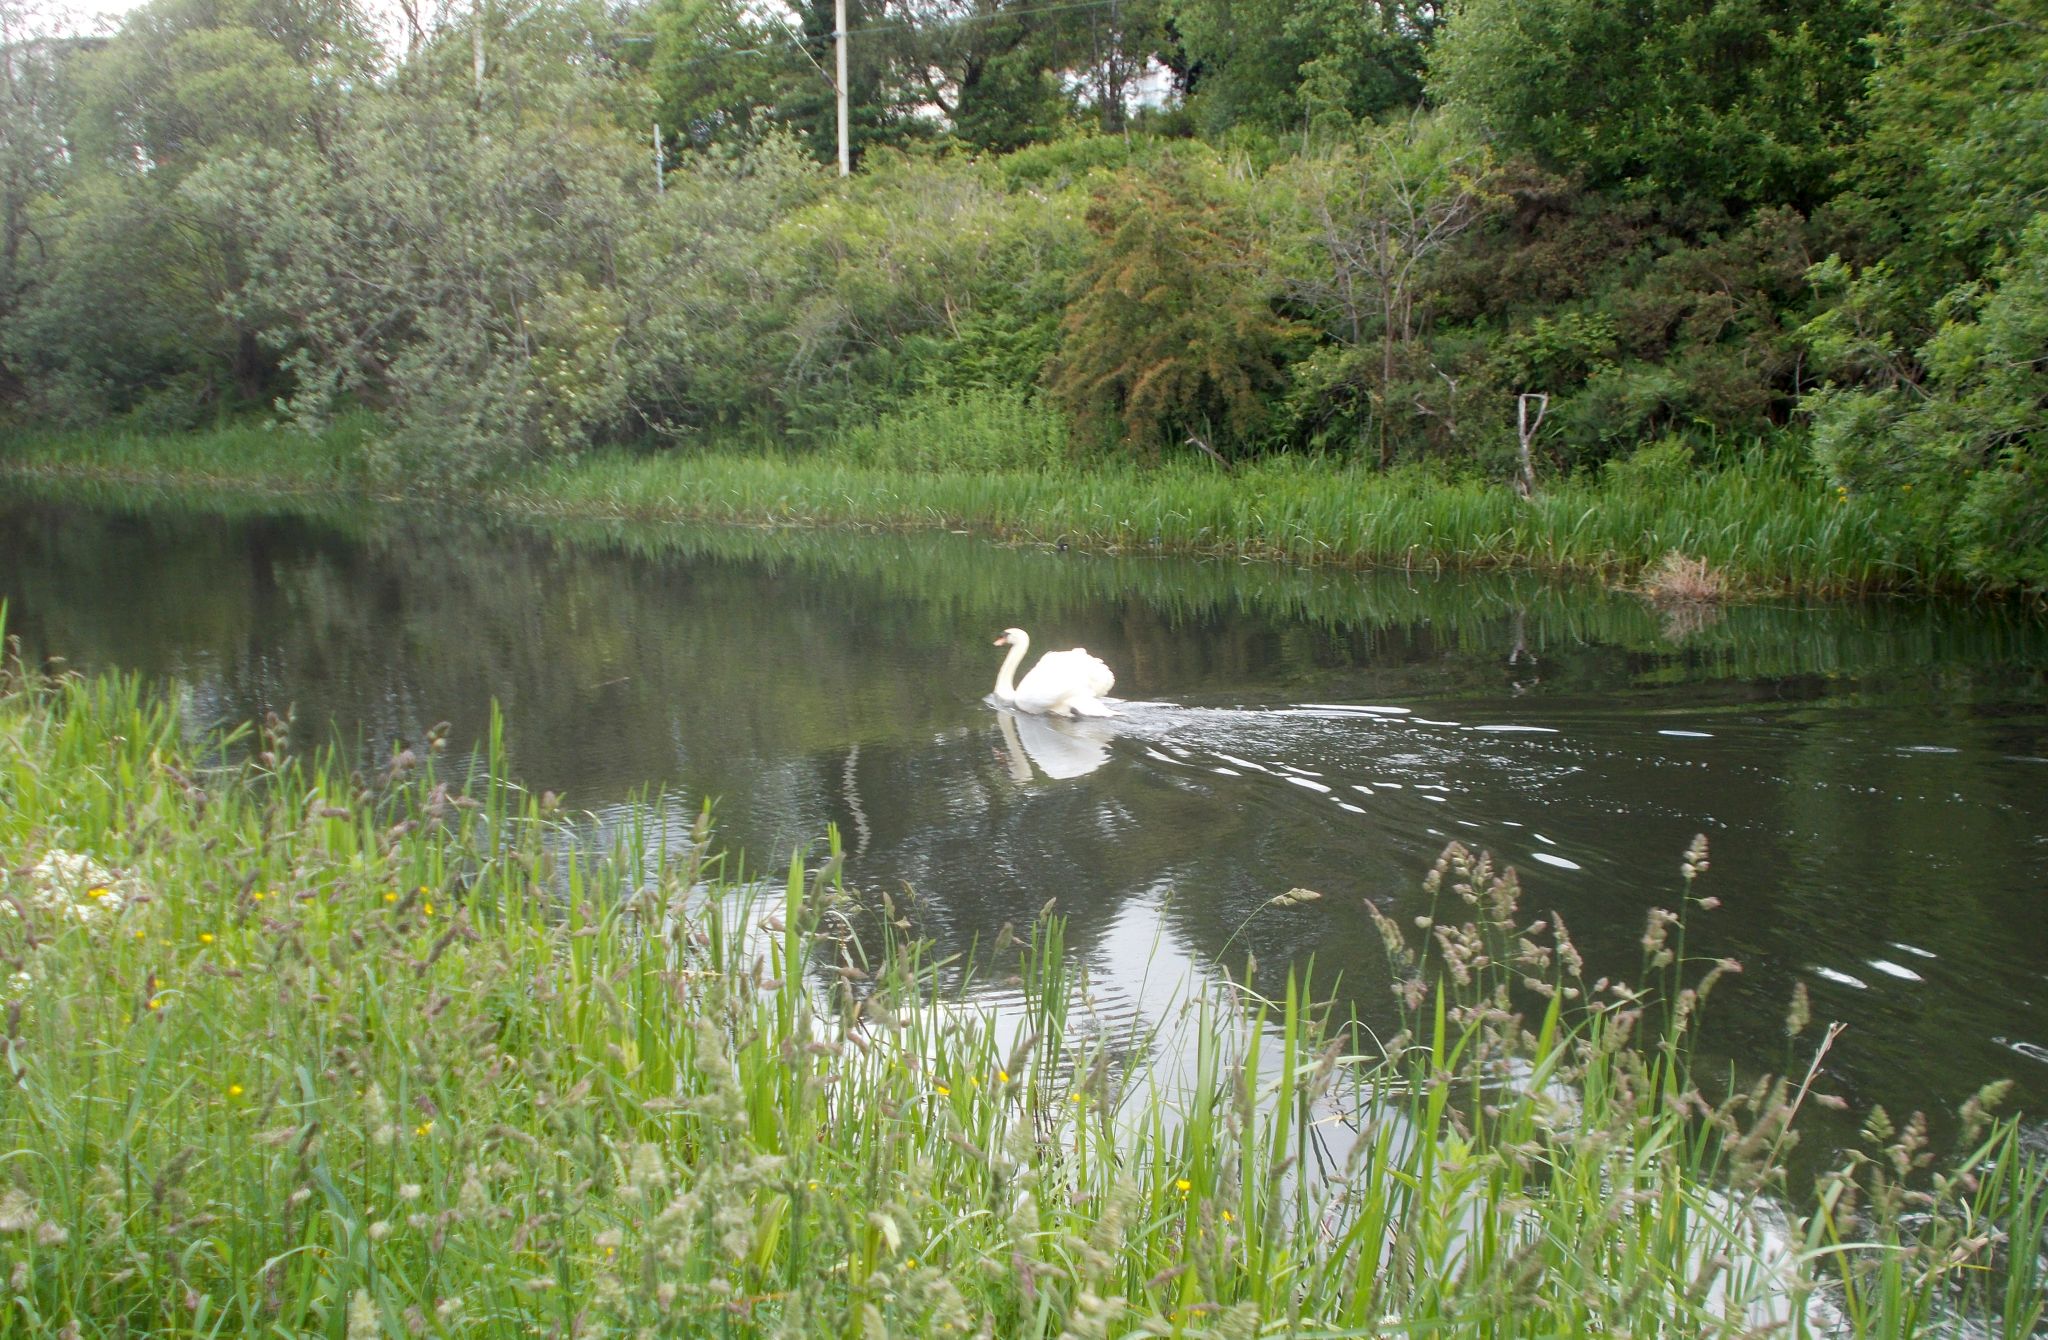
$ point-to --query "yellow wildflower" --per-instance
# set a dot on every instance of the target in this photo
(234, 1091)
(1183, 1185)
(206, 937)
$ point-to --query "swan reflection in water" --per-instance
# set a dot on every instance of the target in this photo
(1062, 747)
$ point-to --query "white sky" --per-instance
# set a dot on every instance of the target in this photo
(85, 16)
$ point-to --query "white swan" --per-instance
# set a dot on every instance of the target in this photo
(1063, 683)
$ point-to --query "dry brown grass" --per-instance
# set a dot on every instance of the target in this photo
(1677, 579)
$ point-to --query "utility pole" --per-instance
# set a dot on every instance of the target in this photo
(660, 185)
(839, 85)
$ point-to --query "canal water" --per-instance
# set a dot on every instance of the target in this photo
(1872, 777)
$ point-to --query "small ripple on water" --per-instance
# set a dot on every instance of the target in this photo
(1560, 862)
(1914, 949)
(1345, 710)
(1899, 971)
(1840, 978)
(1688, 734)
(2033, 1051)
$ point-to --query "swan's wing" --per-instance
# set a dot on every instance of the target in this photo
(1060, 677)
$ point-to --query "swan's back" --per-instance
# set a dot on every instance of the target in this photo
(1068, 683)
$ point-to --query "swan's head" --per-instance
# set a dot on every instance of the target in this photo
(1011, 637)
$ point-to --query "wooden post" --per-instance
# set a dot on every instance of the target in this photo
(659, 184)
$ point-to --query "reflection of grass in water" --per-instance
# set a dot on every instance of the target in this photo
(330, 1054)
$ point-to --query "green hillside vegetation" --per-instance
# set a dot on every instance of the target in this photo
(1804, 243)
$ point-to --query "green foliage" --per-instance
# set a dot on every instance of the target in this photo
(714, 73)
(980, 431)
(1954, 159)
(415, 273)
(185, 84)
(301, 1051)
(236, 204)
(1933, 346)
(926, 274)
(1735, 102)
(1172, 329)
(1367, 222)
(1283, 64)
(1971, 443)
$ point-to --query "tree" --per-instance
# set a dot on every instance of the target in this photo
(31, 160)
(1933, 345)
(715, 70)
(1377, 216)
(1282, 64)
(136, 301)
(1732, 102)
(1172, 329)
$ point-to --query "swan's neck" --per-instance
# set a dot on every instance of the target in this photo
(1006, 678)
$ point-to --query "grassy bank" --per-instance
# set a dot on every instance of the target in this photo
(292, 1052)
(1764, 526)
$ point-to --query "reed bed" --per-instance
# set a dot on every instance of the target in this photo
(248, 456)
(1768, 530)
(295, 1050)
(1000, 468)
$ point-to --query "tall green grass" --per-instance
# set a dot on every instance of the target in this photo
(296, 1051)
(252, 455)
(1766, 530)
(969, 430)
(1002, 466)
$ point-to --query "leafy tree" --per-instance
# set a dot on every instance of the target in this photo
(1933, 345)
(1173, 329)
(1280, 64)
(715, 69)
(1734, 102)
(413, 277)
(136, 303)
(1971, 440)
(990, 67)
(31, 160)
(1953, 163)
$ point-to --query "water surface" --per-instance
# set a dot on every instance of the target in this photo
(1873, 778)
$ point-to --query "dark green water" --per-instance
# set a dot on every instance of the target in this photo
(1873, 778)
